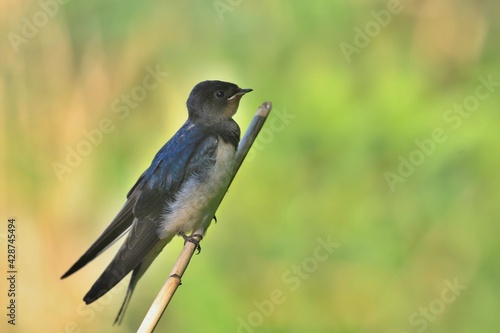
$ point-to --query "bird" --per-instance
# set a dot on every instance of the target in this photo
(176, 194)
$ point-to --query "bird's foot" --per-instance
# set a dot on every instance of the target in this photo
(193, 240)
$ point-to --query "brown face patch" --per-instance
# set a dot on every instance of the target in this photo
(232, 106)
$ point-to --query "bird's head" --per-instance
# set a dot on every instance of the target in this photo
(211, 102)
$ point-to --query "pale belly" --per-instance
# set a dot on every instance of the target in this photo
(195, 203)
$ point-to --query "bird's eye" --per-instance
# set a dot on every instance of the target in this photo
(220, 94)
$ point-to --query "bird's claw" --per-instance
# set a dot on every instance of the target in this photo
(193, 240)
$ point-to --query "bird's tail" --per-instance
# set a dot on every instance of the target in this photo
(136, 275)
(133, 281)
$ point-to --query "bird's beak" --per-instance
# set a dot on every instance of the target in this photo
(240, 92)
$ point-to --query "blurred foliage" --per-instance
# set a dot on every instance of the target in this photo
(339, 125)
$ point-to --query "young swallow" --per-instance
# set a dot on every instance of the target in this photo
(177, 193)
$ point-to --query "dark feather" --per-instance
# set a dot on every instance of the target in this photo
(117, 228)
(158, 185)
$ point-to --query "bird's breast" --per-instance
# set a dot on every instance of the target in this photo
(195, 202)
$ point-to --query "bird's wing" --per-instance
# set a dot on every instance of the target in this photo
(116, 229)
(159, 188)
(123, 220)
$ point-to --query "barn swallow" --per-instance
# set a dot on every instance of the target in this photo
(176, 195)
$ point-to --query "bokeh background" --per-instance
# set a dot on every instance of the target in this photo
(354, 84)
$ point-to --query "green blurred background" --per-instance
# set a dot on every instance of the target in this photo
(348, 107)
